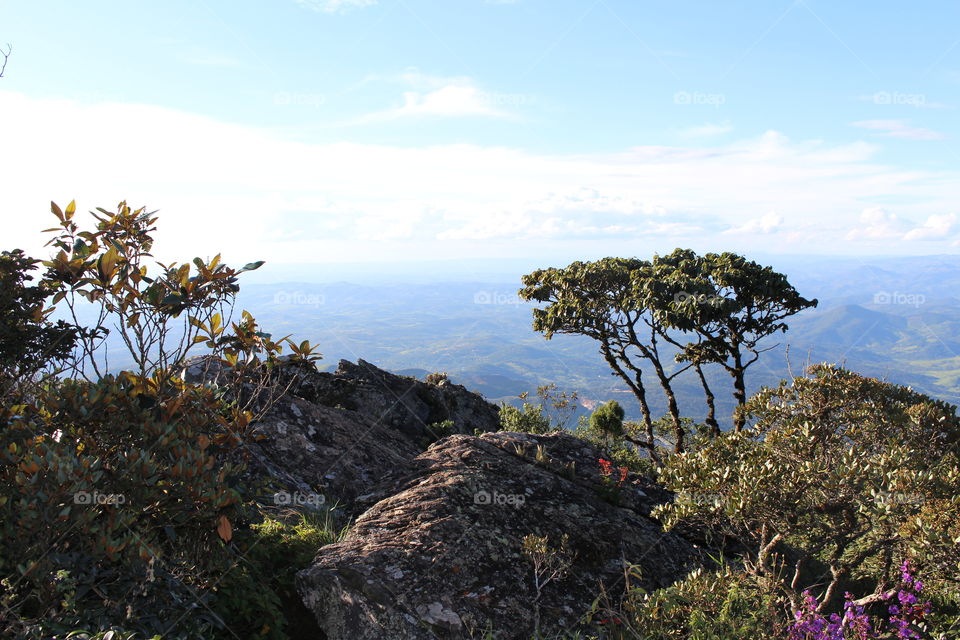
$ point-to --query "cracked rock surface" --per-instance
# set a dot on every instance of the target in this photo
(440, 556)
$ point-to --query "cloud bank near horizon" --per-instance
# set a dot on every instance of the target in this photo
(254, 191)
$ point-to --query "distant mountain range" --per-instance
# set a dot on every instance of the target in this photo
(894, 318)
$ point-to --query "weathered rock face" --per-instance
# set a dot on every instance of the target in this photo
(405, 404)
(343, 433)
(437, 551)
(311, 449)
(440, 556)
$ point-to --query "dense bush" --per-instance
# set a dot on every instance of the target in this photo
(837, 480)
(529, 419)
(29, 342)
(607, 421)
(118, 492)
(114, 504)
(258, 597)
(708, 605)
(553, 410)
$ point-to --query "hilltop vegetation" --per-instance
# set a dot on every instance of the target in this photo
(211, 497)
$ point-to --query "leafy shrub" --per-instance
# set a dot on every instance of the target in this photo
(118, 493)
(529, 419)
(438, 431)
(607, 421)
(437, 378)
(258, 597)
(29, 342)
(708, 605)
(840, 475)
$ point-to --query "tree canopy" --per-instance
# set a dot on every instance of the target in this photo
(711, 309)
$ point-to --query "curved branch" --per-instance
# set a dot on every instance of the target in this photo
(6, 56)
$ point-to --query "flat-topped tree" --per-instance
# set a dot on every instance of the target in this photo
(731, 304)
(600, 300)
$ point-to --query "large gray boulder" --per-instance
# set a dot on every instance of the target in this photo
(343, 434)
(439, 556)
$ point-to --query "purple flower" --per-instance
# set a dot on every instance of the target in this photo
(905, 613)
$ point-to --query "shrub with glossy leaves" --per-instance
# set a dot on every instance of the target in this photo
(724, 604)
(29, 341)
(838, 476)
(118, 493)
(529, 419)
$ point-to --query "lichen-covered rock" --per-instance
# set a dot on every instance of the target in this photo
(403, 403)
(440, 556)
(343, 434)
(317, 450)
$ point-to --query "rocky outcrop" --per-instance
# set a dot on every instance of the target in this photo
(437, 549)
(440, 556)
(342, 434)
(403, 403)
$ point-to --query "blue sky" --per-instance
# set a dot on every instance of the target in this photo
(352, 130)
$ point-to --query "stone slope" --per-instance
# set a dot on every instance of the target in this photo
(342, 433)
(440, 556)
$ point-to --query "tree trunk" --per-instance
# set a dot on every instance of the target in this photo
(711, 419)
(739, 390)
(672, 407)
(639, 391)
(674, 415)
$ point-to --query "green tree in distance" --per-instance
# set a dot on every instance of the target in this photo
(713, 309)
(597, 299)
(730, 303)
(607, 420)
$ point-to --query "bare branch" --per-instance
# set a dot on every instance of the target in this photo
(6, 56)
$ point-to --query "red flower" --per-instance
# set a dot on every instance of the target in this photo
(606, 468)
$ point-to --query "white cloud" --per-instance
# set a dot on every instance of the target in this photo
(935, 227)
(439, 96)
(257, 194)
(770, 223)
(452, 100)
(877, 223)
(898, 129)
(335, 6)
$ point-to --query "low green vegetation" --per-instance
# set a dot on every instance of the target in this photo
(127, 509)
(121, 506)
(836, 484)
